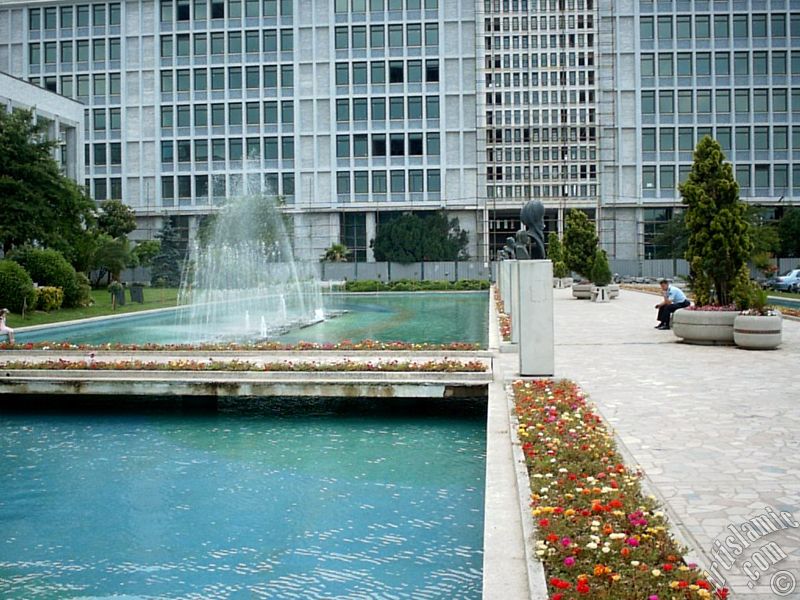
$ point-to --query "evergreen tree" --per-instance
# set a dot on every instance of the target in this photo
(719, 240)
(166, 269)
(555, 252)
(601, 272)
(116, 219)
(580, 243)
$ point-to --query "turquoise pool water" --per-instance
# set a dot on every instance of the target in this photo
(407, 317)
(256, 503)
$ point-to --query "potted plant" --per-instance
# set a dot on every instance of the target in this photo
(117, 294)
(757, 326)
(555, 252)
(718, 246)
(601, 277)
(580, 244)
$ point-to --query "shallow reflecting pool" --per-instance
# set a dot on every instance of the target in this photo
(418, 317)
(249, 502)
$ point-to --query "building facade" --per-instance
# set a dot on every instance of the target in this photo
(356, 110)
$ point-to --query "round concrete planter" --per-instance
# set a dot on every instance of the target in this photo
(600, 293)
(704, 327)
(582, 291)
(613, 290)
(756, 332)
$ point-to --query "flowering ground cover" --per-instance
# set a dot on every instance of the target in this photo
(444, 366)
(345, 345)
(598, 535)
(505, 320)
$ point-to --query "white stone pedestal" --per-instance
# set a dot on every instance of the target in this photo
(513, 309)
(535, 318)
(505, 284)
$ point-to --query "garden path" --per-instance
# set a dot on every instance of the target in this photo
(716, 429)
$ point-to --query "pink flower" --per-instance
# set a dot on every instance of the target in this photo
(566, 542)
(569, 561)
(633, 542)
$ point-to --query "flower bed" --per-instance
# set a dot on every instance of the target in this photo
(444, 366)
(505, 320)
(598, 535)
(346, 345)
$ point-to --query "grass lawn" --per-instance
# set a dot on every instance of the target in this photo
(778, 294)
(153, 298)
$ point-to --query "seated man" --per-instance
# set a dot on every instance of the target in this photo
(674, 298)
(5, 329)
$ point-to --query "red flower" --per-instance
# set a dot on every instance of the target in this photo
(544, 523)
(583, 587)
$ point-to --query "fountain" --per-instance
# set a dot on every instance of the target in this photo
(241, 282)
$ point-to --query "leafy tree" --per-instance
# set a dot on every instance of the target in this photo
(671, 241)
(116, 219)
(601, 272)
(719, 240)
(166, 266)
(145, 251)
(555, 252)
(39, 205)
(113, 255)
(789, 233)
(412, 238)
(336, 253)
(580, 243)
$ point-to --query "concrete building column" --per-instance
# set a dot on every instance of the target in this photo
(371, 232)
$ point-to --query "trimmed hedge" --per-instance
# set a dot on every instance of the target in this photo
(409, 285)
(16, 287)
(48, 267)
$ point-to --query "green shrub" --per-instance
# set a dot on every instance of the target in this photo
(601, 273)
(49, 298)
(471, 284)
(560, 269)
(84, 287)
(410, 285)
(48, 267)
(367, 285)
(16, 287)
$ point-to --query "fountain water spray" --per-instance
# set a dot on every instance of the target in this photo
(245, 267)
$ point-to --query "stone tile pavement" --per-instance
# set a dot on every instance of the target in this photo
(715, 429)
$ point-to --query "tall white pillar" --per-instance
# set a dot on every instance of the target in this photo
(535, 318)
(514, 294)
(505, 285)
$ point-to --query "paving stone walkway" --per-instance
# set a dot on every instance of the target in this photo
(716, 429)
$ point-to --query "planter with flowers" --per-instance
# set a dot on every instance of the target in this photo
(718, 247)
(757, 326)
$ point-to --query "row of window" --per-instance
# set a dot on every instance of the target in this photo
(542, 173)
(687, 64)
(360, 6)
(498, 6)
(724, 101)
(220, 149)
(356, 36)
(395, 181)
(79, 51)
(235, 42)
(105, 189)
(173, 187)
(553, 115)
(527, 135)
(542, 23)
(759, 137)
(83, 86)
(532, 97)
(201, 10)
(562, 190)
(362, 145)
(742, 26)
(757, 176)
(545, 153)
(508, 80)
(234, 113)
(397, 71)
(400, 107)
(562, 40)
(74, 16)
(545, 59)
(232, 78)
(104, 154)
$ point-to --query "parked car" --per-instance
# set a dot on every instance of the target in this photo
(788, 282)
